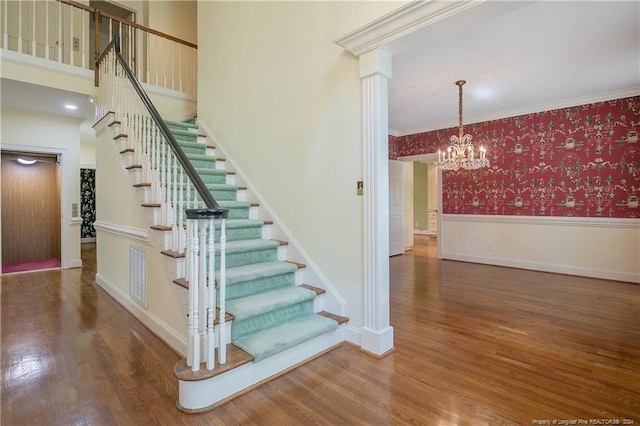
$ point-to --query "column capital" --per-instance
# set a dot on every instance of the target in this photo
(375, 62)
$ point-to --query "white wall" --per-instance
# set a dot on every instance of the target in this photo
(285, 102)
(594, 247)
(40, 132)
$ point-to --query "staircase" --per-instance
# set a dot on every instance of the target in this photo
(276, 320)
(270, 312)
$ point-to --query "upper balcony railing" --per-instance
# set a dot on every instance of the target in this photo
(74, 34)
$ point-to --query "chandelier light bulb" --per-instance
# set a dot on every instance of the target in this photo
(460, 152)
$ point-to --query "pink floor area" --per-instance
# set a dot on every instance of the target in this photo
(30, 266)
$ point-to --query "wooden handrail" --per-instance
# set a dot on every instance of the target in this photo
(129, 23)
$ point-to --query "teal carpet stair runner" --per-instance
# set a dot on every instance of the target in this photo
(271, 313)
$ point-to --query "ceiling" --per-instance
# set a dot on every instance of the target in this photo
(31, 97)
(517, 57)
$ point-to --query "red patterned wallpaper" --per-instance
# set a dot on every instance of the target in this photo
(581, 161)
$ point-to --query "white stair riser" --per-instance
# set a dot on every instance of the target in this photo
(318, 303)
(203, 394)
(282, 253)
(136, 176)
(266, 232)
(180, 267)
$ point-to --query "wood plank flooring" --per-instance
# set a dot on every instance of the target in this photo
(474, 345)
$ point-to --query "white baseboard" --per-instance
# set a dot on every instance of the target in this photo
(352, 335)
(75, 263)
(378, 342)
(546, 267)
(153, 323)
(87, 240)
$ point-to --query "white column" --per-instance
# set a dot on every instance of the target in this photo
(375, 70)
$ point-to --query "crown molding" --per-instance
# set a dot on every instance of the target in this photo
(400, 22)
(498, 115)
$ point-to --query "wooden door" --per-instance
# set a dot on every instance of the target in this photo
(30, 210)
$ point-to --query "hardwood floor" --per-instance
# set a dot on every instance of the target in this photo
(474, 345)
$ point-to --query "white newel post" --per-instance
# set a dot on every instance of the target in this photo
(375, 71)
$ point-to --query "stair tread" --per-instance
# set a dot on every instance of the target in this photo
(257, 304)
(249, 245)
(180, 124)
(174, 254)
(237, 246)
(210, 171)
(337, 318)
(265, 343)
(262, 270)
(206, 157)
(226, 204)
(317, 290)
(229, 224)
(222, 187)
(191, 144)
(235, 358)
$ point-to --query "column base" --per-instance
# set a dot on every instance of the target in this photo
(378, 342)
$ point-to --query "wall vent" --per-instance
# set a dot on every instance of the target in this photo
(138, 275)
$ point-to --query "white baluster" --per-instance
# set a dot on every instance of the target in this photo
(167, 180)
(173, 65)
(202, 279)
(222, 285)
(33, 28)
(71, 10)
(156, 58)
(147, 45)
(19, 27)
(170, 195)
(163, 180)
(130, 56)
(193, 351)
(211, 298)
(5, 34)
(46, 29)
(174, 221)
(83, 44)
(182, 196)
(59, 31)
(138, 61)
(164, 63)
(180, 67)
(155, 182)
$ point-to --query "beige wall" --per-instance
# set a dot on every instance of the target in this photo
(176, 18)
(285, 102)
(118, 209)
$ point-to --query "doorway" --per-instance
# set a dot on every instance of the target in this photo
(426, 198)
(108, 27)
(31, 234)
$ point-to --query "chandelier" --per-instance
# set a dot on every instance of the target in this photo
(461, 152)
